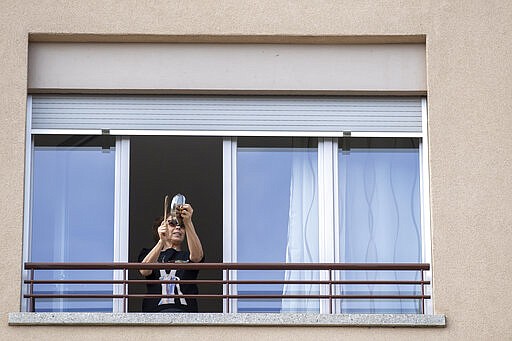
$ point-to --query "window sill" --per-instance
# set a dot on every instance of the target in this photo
(219, 319)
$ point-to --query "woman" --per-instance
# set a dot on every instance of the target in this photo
(169, 237)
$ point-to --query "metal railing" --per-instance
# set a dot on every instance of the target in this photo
(228, 293)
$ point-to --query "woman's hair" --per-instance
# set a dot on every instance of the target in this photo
(156, 224)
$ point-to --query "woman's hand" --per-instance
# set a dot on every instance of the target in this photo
(186, 214)
(162, 230)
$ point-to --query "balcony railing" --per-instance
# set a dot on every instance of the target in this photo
(329, 281)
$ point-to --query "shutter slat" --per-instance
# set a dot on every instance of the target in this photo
(231, 113)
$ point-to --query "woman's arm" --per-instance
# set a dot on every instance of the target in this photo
(152, 256)
(194, 244)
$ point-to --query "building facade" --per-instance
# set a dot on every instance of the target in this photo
(452, 58)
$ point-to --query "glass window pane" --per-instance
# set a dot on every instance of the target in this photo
(161, 165)
(73, 217)
(379, 192)
(277, 218)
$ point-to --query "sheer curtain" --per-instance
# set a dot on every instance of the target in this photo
(302, 241)
(277, 217)
(380, 220)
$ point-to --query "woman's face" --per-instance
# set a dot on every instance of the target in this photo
(175, 232)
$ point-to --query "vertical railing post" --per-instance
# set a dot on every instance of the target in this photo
(227, 291)
(330, 291)
(31, 292)
(124, 290)
(422, 293)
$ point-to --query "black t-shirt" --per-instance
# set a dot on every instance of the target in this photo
(171, 256)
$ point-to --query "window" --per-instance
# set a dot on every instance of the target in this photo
(276, 179)
(73, 215)
(277, 217)
(380, 220)
(184, 164)
(309, 200)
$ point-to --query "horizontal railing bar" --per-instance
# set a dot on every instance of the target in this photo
(229, 266)
(227, 296)
(213, 281)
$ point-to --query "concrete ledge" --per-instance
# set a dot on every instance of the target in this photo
(219, 319)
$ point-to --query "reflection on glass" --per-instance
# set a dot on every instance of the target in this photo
(72, 221)
(277, 218)
(379, 196)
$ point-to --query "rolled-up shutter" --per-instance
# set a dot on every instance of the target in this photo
(226, 115)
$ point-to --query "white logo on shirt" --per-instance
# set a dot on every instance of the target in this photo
(168, 288)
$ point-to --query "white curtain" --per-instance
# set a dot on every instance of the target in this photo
(302, 241)
(380, 217)
(380, 222)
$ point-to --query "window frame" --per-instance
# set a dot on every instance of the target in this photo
(329, 224)
(121, 206)
(327, 169)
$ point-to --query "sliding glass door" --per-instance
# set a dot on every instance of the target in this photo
(73, 216)
(277, 210)
(309, 200)
(304, 180)
(380, 219)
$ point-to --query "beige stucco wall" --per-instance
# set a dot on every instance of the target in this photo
(469, 81)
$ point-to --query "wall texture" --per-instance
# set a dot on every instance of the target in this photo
(469, 84)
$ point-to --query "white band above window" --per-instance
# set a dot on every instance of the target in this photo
(175, 67)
